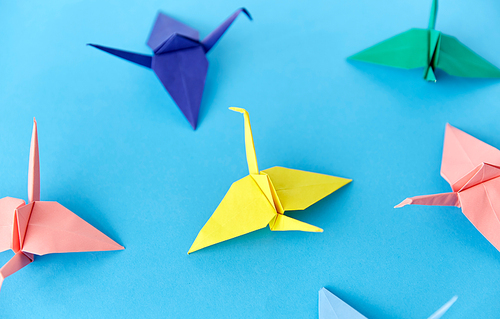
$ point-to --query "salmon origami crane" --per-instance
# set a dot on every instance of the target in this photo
(40, 228)
(179, 60)
(332, 307)
(472, 168)
(430, 49)
(261, 198)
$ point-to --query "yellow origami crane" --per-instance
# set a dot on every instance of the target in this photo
(261, 198)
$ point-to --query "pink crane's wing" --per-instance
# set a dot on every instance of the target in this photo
(481, 205)
(53, 228)
(8, 206)
(462, 153)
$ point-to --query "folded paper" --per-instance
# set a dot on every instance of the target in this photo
(430, 49)
(261, 198)
(472, 168)
(40, 228)
(332, 307)
(178, 60)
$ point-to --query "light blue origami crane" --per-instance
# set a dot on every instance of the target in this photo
(332, 307)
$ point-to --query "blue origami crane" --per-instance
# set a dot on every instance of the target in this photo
(179, 59)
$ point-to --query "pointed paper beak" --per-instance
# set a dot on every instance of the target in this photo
(407, 201)
(34, 167)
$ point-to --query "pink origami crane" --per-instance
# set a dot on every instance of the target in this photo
(40, 228)
(472, 168)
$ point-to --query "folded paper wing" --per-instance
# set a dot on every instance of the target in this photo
(183, 74)
(411, 50)
(457, 59)
(52, 228)
(298, 190)
(244, 209)
(332, 307)
(407, 50)
(462, 153)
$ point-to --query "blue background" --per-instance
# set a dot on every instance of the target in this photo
(115, 149)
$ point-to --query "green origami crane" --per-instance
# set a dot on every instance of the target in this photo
(430, 49)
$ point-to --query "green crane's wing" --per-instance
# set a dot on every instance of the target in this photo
(458, 60)
(407, 50)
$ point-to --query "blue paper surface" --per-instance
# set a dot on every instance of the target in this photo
(116, 150)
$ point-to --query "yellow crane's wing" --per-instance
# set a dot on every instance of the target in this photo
(244, 209)
(298, 190)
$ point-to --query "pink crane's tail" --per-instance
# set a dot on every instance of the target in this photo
(14, 264)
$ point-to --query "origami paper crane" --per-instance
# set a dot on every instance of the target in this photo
(472, 168)
(430, 49)
(332, 307)
(40, 228)
(179, 59)
(261, 198)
